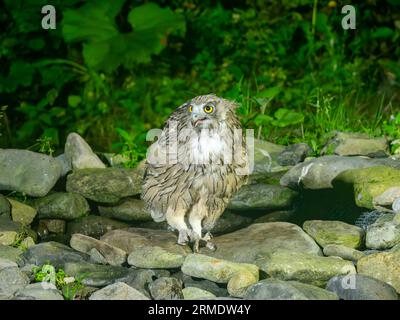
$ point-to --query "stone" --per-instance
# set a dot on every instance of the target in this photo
(53, 253)
(275, 289)
(96, 257)
(246, 244)
(7, 238)
(166, 288)
(79, 153)
(107, 185)
(262, 196)
(386, 199)
(27, 243)
(10, 253)
(334, 232)
(132, 239)
(229, 222)
(154, 257)
(94, 226)
(11, 280)
(384, 266)
(276, 216)
(368, 183)
(354, 144)
(127, 210)
(361, 287)
(337, 250)
(53, 225)
(62, 205)
(206, 285)
(319, 173)
(113, 256)
(213, 269)
(304, 267)
(21, 212)
(238, 284)
(116, 160)
(294, 154)
(28, 172)
(265, 156)
(65, 164)
(118, 291)
(37, 291)
(6, 263)
(383, 233)
(5, 207)
(193, 293)
(396, 206)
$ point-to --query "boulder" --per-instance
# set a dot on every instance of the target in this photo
(344, 252)
(94, 226)
(193, 293)
(154, 257)
(294, 154)
(37, 291)
(384, 233)
(5, 207)
(11, 280)
(118, 291)
(22, 213)
(130, 210)
(166, 288)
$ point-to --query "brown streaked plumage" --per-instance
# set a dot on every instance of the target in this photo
(195, 167)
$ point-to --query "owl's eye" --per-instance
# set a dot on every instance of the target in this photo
(190, 108)
(208, 108)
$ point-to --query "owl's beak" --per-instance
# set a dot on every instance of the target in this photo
(197, 120)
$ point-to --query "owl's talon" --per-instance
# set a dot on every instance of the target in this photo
(196, 246)
(211, 246)
(207, 237)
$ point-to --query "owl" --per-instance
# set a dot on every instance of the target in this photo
(195, 167)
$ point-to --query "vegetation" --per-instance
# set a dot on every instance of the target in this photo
(112, 70)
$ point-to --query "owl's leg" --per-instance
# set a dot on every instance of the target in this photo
(176, 219)
(195, 220)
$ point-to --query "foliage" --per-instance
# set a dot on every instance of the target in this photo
(18, 242)
(112, 70)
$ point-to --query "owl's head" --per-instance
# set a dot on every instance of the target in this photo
(208, 111)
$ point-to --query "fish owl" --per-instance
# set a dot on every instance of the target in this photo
(195, 167)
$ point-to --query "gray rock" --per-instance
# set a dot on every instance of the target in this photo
(96, 257)
(274, 289)
(343, 252)
(262, 196)
(112, 255)
(118, 291)
(10, 253)
(21, 212)
(52, 252)
(5, 207)
(396, 206)
(217, 270)
(127, 210)
(65, 164)
(383, 234)
(6, 263)
(246, 244)
(304, 267)
(275, 216)
(79, 153)
(62, 205)
(386, 199)
(28, 172)
(8, 231)
(265, 156)
(154, 257)
(202, 284)
(294, 154)
(361, 287)
(194, 293)
(94, 226)
(11, 280)
(165, 288)
(318, 173)
(52, 226)
(107, 185)
(38, 291)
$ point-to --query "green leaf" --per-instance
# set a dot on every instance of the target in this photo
(285, 117)
(269, 93)
(382, 32)
(74, 101)
(263, 119)
(20, 74)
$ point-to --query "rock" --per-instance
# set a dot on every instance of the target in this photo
(127, 210)
(107, 185)
(96, 257)
(65, 164)
(114, 256)
(318, 173)
(6, 263)
(343, 252)
(62, 205)
(166, 289)
(354, 144)
(274, 289)
(94, 226)
(334, 232)
(282, 215)
(79, 153)
(10, 253)
(265, 156)
(118, 291)
(154, 257)
(361, 287)
(202, 284)
(5, 207)
(367, 183)
(116, 160)
(37, 291)
(246, 244)
(383, 234)
(304, 267)
(384, 266)
(238, 284)
(230, 222)
(29, 172)
(294, 154)
(193, 293)
(11, 280)
(395, 248)
(27, 243)
(8, 231)
(262, 196)
(96, 275)
(53, 225)
(386, 199)
(213, 269)
(132, 239)
(21, 212)
(7, 238)
(396, 206)
(53, 253)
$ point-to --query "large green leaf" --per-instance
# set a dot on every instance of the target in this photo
(285, 117)
(105, 48)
